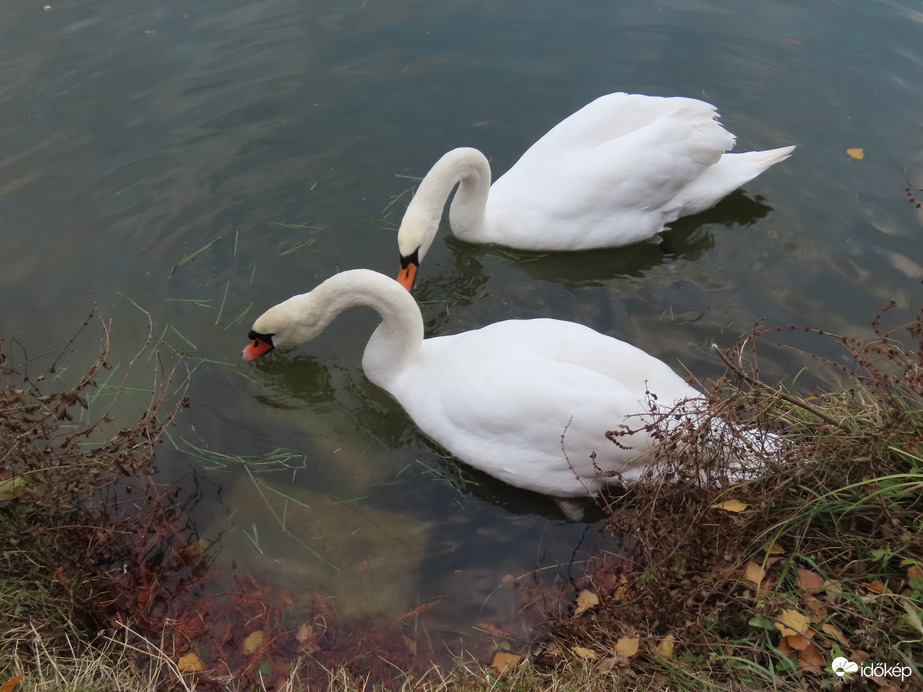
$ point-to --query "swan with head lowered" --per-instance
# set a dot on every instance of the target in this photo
(613, 173)
(526, 401)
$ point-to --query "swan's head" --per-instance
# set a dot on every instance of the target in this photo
(289, 323)
(414, 238)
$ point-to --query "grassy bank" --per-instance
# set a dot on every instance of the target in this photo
(760, 585)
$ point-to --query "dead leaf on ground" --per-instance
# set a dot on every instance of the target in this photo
(754, 573)
(833, 631)
(610, 663)
(410, 643)
(190, 663)
(731, 506)
(504, 662)
(812, 660)
(817, 607)
(10, 684)
(858, 656)
(784, 648)
(665, 648)
(810, 581)
(800, 642)
(626, 646)
(791, 622)
(833, 592)
(622, 591)
(775, 549)
(586, 600)
(856, 153)
(875, 587)
(914, 572)
(583, 652)
(253, 642)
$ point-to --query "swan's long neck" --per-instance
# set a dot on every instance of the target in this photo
(470, 170)
(396, 342)
(392, 346)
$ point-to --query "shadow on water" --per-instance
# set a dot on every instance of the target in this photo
(687, 238)
(468, 275)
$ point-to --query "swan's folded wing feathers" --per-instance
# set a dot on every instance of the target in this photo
(501, 399)
(626, 181)
(612, 116)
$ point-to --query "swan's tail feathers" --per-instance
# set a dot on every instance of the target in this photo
(696, 445)
(731, 172)
(770, 157)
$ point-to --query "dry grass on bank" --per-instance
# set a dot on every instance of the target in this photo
(760, 586)
(765, 584)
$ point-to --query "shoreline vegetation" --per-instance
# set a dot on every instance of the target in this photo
(807, 576)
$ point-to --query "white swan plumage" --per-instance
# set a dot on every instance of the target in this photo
(526, 401)
(614, 173)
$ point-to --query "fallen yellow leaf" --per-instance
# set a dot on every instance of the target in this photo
(626, 646)
(665, 648)
(754, 573)
(791, 622)
(504, 662)
(585, 601)
(775, 549)
(583, 652)
(731, 506)
(190, 663)
(914, 572)
(622, 591)
(253, 642)
(856, 153)
(10, 684)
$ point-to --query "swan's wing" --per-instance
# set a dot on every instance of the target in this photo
(616, 192)
(501, 399)
(617, 115)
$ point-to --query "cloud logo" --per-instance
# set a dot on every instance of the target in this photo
(841, 666)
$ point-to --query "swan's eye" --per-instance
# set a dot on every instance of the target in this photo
(256, 336)
(412, 258)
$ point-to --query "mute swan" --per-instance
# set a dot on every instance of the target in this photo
(526, 401)
(613, 173)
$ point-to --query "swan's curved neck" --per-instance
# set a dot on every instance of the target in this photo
(468, 168)
(392, 346)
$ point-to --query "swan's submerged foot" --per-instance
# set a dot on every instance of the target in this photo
(573, 508)
(669, 249)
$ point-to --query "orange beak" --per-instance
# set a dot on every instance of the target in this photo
(408, 275)
(257, 348)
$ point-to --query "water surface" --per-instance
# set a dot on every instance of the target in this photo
(273, 135)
